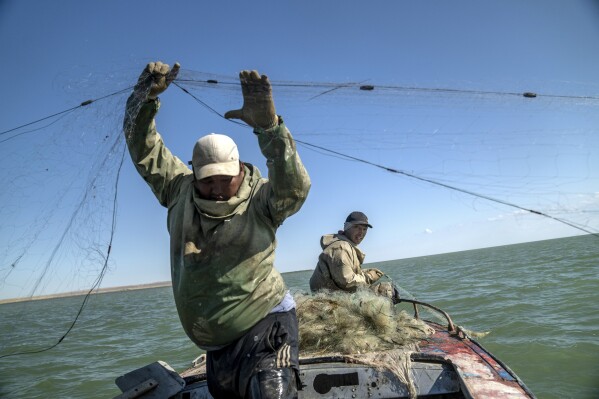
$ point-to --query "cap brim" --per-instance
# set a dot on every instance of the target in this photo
(217, 169)
(362, 223)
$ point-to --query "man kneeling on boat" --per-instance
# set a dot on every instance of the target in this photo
(339, 265)
(222, 220)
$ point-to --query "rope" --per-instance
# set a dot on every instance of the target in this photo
(63, 113)
(331, 86)
(411, 175)
(454, 188)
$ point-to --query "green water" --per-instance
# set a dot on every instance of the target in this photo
(539, 300)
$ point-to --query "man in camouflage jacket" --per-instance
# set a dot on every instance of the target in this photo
(222, 220)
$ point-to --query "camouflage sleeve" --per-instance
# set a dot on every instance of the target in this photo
(152, 159)
(289, 183)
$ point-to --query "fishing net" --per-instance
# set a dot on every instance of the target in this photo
(484, 147)
(362, 327)
(60, 172)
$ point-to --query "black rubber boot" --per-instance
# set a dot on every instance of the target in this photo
(273, 384)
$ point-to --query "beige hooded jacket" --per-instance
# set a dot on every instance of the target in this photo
(339, 266)
(222, 252)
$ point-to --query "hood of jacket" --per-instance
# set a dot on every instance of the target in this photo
(329, 239)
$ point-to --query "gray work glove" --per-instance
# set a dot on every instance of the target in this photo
(384, 289)
(155, 79)
(374, 274)
(258, 106)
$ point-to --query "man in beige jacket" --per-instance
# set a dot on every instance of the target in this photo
(340, 263)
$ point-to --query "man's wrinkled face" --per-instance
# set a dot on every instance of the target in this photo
(356, 233)
(219, 187)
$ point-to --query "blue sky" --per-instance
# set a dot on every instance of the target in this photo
(537, 153)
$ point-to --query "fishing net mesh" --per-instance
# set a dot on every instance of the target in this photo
(362, 327)
(61, 172)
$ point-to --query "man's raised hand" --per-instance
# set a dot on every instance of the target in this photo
(258, 108)
(155, 79)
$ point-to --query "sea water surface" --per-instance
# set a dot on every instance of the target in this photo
(540, 302)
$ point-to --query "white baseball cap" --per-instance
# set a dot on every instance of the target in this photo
(215, 154)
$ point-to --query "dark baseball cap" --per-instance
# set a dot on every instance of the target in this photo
(358, 218)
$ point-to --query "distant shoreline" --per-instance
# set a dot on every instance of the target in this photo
(168, 283)
(84, 292)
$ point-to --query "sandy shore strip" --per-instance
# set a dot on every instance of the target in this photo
(84, 292)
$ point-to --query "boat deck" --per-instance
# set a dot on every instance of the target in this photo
(480, 374)
(447, 366)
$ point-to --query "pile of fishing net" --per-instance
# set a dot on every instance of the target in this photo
(363, 328)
